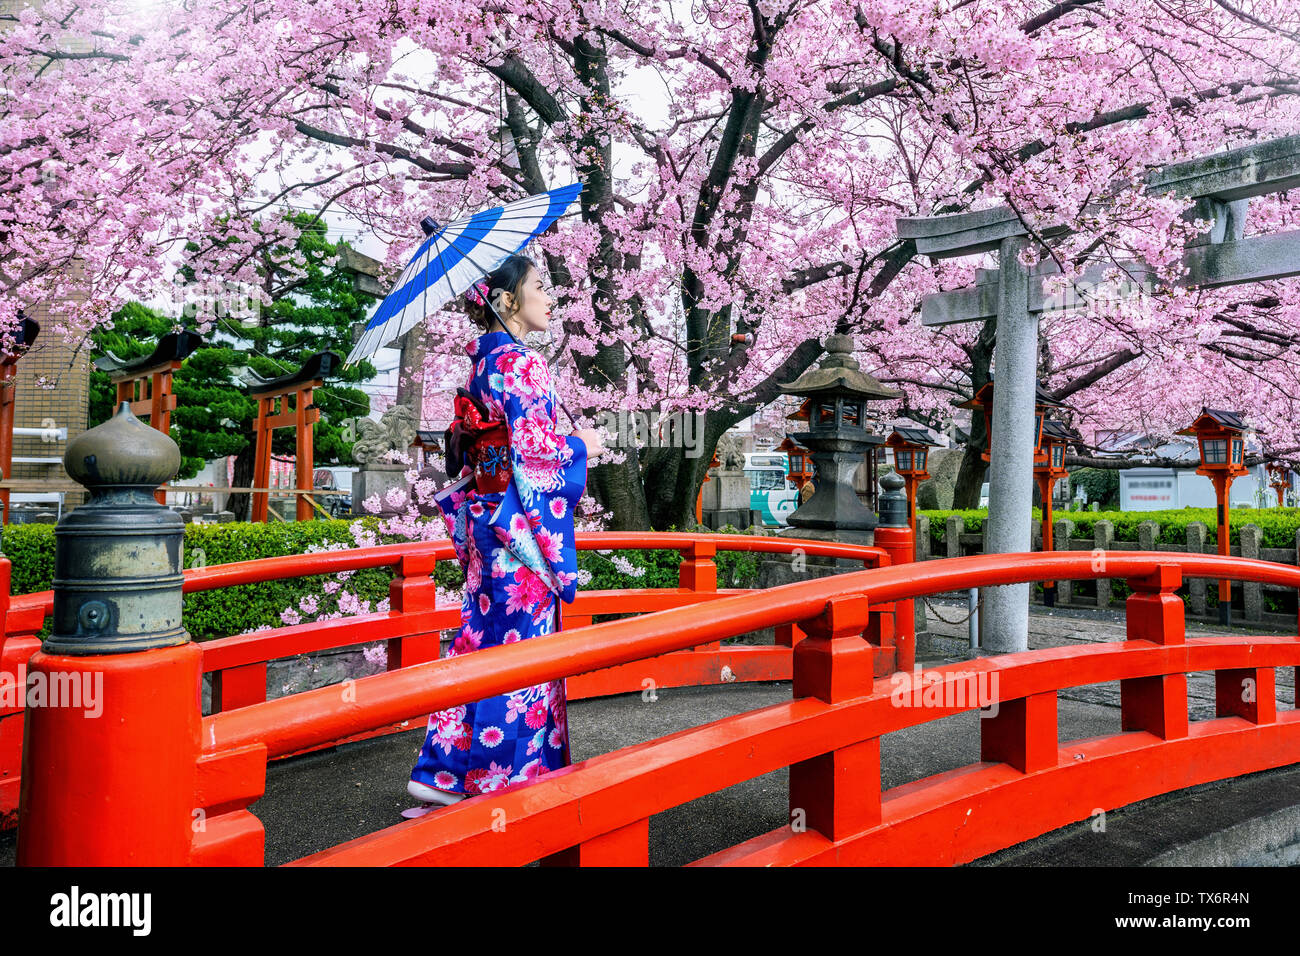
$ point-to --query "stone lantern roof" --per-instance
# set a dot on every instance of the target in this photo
(840, 373)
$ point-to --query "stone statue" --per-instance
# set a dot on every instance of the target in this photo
(730, 454)
(394, 432)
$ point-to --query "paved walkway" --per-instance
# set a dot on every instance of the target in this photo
(322, 799)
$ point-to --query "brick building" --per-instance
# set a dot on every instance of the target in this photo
(64, 404)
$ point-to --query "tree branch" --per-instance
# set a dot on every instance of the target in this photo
(1094, 374)
(455, 170)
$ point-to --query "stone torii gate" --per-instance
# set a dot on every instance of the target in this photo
(1222, 185)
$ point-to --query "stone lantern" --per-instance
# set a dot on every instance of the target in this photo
(837, 392)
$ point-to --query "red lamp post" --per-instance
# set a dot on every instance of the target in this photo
(1054, 436)
(1223, 458)
(800, 469)
(699, 499)
(911, 449)
(982, 402)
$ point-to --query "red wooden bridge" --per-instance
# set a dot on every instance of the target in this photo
(151, 780)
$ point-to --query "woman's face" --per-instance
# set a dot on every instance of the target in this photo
(533, 304)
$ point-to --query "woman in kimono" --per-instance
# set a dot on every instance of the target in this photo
(510, 517)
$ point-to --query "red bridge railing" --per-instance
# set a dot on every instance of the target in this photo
(1022, 785)
(597, 811)
(413, 625)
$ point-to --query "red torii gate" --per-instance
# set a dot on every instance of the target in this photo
(23, 339)
(146, 383)
(274, 410)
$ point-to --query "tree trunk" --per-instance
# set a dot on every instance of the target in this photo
(617, 488)
(240, 503)
(970, 476)
(673, 479)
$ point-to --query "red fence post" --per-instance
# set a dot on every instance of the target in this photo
(15, 650)
(698, 572)
(1023, 734)
(110, 766)
(1246, 692)
(836, 793)
(1156, 704)
(788, 635)
(627, 846)
(572, 621)
(412, 591)
(237, 687)
(900, 544)
(125, 775)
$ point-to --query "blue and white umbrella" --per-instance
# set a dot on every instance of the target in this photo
(456, 256)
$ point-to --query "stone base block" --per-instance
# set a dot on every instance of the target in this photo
(377, 480)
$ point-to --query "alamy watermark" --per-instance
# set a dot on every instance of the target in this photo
(636, 429)
(1097, 296)
(210, 299)
(950, 690)
(78, 689)
(76, 908)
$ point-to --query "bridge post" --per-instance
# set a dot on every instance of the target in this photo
(837, 793)
(895, 536)
(1246, 692)
(699, 572)
(1023, 734)
(413, 591)
(237, 687)
(1156, 704)
(110, 766)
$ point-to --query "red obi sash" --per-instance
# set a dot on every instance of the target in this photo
(489, 447)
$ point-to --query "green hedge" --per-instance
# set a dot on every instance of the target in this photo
(1278, 526)
(209, 614)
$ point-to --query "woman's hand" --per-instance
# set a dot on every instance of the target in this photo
(591, 438)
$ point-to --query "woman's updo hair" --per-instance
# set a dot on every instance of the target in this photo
(508, 278)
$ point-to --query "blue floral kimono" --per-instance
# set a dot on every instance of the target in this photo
(517, 550)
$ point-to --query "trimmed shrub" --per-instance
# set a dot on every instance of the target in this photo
(209, 614)
(1278, 526)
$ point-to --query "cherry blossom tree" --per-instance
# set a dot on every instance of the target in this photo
(744, 163)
